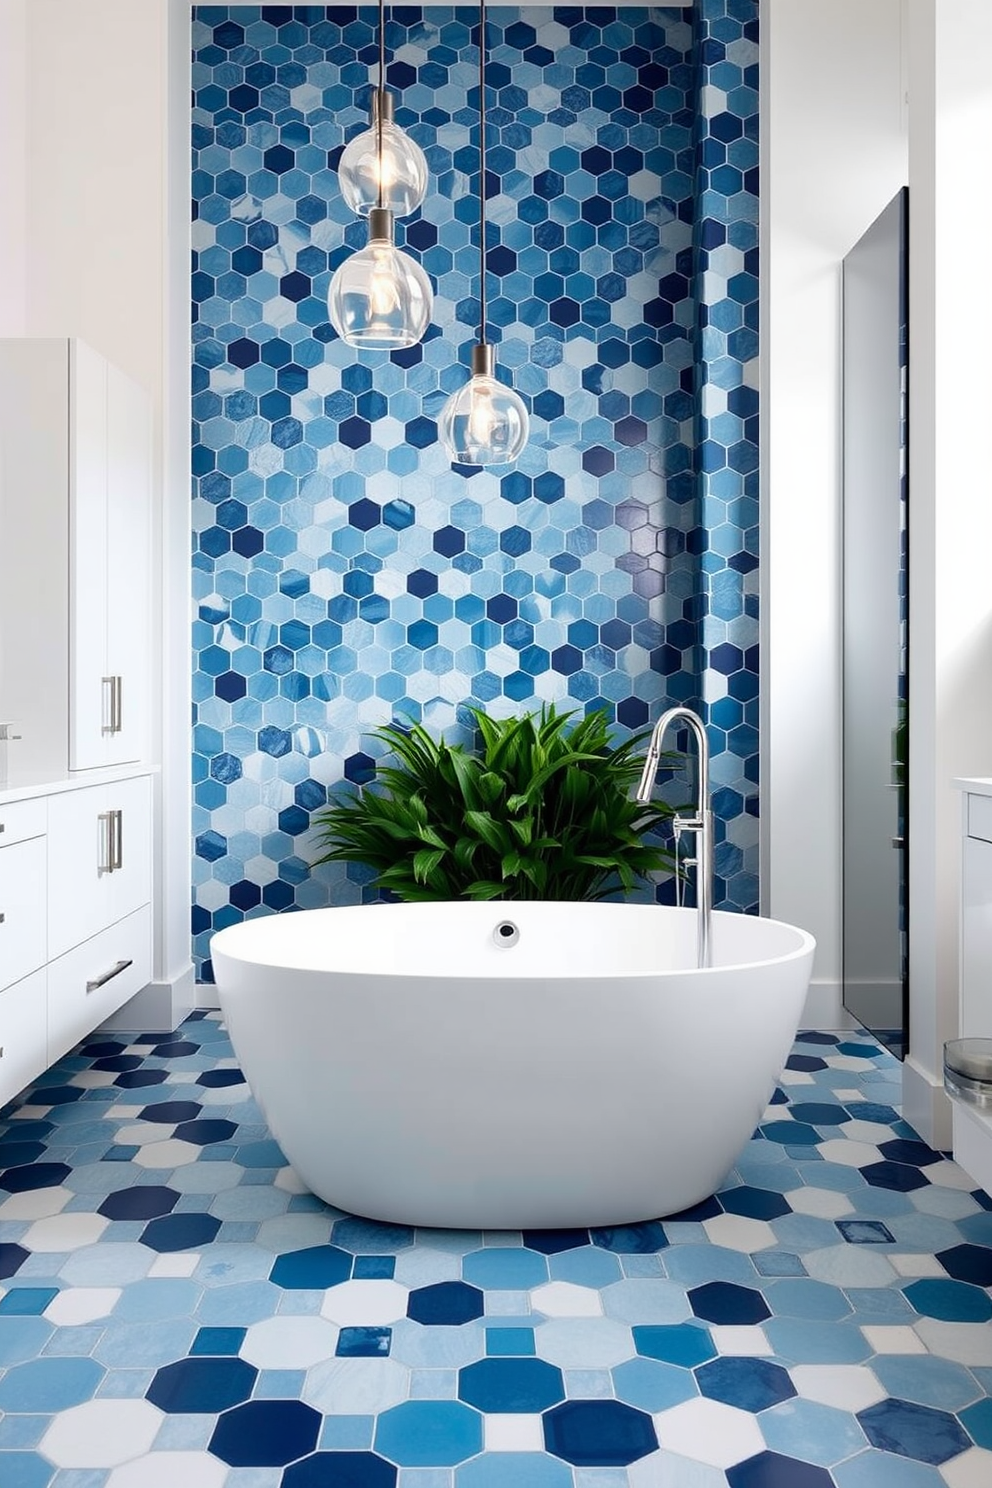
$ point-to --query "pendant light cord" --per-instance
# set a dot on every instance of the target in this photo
(382, 90)
(482, 172)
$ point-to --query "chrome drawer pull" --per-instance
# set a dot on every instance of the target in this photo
(116, 685)
(2, 917)
(114, 821)
(108, 976)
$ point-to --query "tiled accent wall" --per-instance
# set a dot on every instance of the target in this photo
(344, 572)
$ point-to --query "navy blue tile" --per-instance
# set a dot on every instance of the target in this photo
(265, 1433)
(726, 1302)
(202, 1385)
(141, 1201)
(599, 1433)
(916, 1431)
(340, 1470)
(445, 1303)
(772, 1470)
(180, 1232)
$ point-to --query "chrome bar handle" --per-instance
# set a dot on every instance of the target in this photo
(108, 976)
(117, 840)
(105, 860)
(116, 685)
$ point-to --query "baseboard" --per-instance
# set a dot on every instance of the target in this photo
(158, 1008)
(206, 995)
(824, 1007)
(926, 1105)
(973, 1143)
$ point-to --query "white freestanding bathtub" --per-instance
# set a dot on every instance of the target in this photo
(418, 1064)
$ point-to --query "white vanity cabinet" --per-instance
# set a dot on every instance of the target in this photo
(972, 1127)
(75, 894)
(75, 500)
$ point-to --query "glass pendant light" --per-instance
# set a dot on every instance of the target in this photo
(485, 422)
(380, 299)
(385, 157)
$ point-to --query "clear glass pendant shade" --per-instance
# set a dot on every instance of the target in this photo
(380, 298)
(484, 422)
(383, 168)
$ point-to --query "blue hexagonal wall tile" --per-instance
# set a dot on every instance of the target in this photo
(623, 180)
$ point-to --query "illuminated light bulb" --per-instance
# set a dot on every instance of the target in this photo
(383, 167)
(484, 422)
(380, 299)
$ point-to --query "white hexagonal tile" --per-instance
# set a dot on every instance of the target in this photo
(169, 1470)
(289, 1342)
(850, 1154)
(77, 1305)
(743, 1339)
(365, 1303)
(172, 1153)
(850, 1387)
(824, 1203)
(710, 1432)
(948, 1175)
(289, 1180)
(101, 1433)
(513, 1433)
(872, 1132)
(894, 1338)
(966, 1343)
(738, 1232)
(176, 1263)
(37, 1203)
(917, 1265)
(973, 1469)
(566, 1299)
(64, 1232)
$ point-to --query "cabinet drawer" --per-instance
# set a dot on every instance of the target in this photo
(980, 817)
(22, 819)
(93, 980)
(99, 856)
(23, 1034)
(22, 909)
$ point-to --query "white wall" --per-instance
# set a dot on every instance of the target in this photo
(834, 153)
(950, 506)
(94, 227)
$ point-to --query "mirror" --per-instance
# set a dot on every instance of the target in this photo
(875, 639)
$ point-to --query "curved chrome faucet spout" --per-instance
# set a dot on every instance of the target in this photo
(701, 823)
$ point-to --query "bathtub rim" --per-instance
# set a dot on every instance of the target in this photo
(805, 945)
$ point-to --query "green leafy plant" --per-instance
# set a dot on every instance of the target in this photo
(543, 809)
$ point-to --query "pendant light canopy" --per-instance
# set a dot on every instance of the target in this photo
(380, 299)
(485, 422)
(383, 166)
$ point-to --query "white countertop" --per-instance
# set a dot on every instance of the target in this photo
(22, 785)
